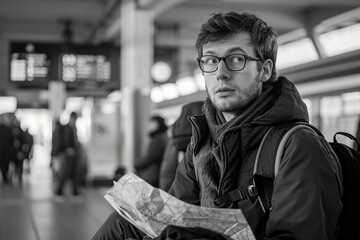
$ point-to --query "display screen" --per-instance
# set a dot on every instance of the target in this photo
(29, 65)
(77, 67)
(80, 66)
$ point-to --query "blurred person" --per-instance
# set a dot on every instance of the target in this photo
(71, 165)
(237, 55)
(18, 142)
(7, 151)
(148, 166)
(119, 172)
(181, 132)
(57, 154)
(27, 147)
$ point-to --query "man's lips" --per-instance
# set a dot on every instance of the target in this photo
(224, 90)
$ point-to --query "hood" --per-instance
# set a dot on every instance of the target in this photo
(288, 106)
(160, 125)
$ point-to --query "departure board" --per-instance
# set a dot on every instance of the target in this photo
(78, 67)
(34, 65)
(29, 65)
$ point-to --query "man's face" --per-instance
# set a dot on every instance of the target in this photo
(232, 91)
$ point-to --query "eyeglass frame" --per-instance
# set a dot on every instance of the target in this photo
(247, 57)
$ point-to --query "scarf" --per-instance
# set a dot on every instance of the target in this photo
(217, 123)
(210, 165)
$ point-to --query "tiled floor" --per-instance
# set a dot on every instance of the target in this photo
(30, 212)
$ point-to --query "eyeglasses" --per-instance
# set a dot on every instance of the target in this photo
(233, 62)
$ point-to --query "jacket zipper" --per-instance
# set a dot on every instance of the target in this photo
(221, 182)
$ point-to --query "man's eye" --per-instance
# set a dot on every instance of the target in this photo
(210, 61)
(236, 59)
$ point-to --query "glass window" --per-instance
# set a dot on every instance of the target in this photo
(330, 112)
(341, 40)
(295, 53)
(340, 113)
(351, 103)
(330, 106)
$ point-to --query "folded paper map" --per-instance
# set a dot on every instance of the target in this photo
(152, 209)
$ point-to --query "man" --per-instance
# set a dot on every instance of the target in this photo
(18, 144)
(71, 165)
(237, 54)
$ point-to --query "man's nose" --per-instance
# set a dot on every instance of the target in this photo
(222, 73)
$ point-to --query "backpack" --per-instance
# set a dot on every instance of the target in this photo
(349, 158)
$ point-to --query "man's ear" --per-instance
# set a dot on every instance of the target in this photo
(266, 70)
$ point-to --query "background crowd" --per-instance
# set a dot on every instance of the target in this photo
(16, 146)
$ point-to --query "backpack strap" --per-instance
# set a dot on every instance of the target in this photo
(263, 179)
(264, 170)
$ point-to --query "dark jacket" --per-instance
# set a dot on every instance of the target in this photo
(7, 150)
(70, 139)
(306, 201)
(148, 167)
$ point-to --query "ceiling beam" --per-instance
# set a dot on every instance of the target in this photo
(110, 10)
(112, 31)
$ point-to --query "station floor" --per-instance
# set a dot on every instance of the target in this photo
(31, 212)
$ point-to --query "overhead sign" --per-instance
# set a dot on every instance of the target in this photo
(35, 64)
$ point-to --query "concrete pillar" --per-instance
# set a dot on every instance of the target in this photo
(57, 98)
(136, 59)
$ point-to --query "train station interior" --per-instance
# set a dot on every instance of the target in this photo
(117, 63)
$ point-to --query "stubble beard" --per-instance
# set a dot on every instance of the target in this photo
(246, 97)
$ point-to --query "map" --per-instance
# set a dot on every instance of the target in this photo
(152, 209)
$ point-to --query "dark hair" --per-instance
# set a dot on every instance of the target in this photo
(224, 25)
(73, 115)
(161, 125)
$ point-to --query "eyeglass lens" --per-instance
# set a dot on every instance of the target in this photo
(234, 62)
